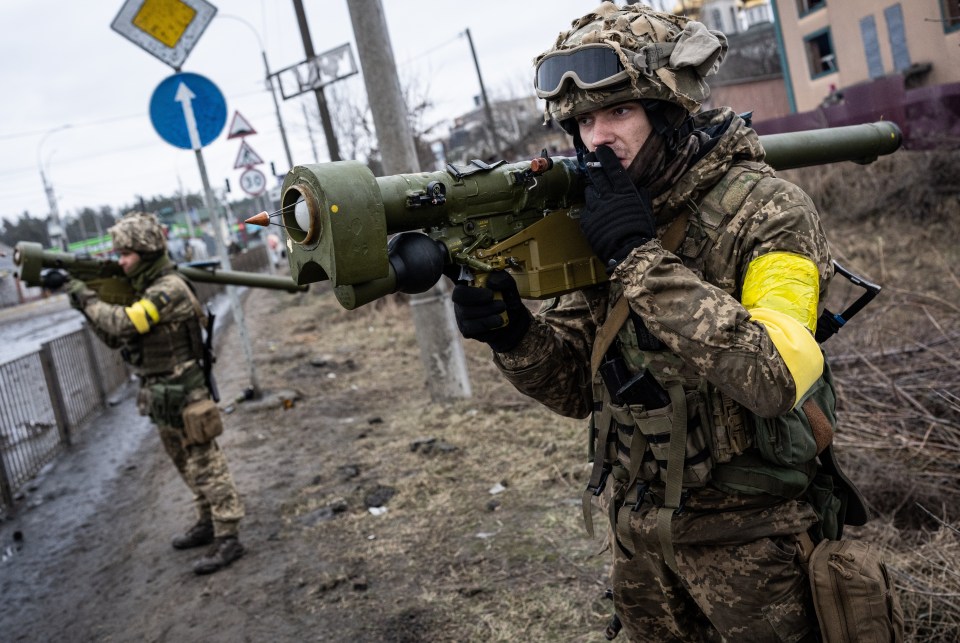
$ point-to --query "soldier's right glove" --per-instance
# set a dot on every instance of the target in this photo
(79, 294)
(479, 312)
(617, 217)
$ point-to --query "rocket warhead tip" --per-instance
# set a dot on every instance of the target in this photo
(261, 219)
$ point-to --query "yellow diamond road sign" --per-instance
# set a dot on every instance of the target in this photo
(168, 29)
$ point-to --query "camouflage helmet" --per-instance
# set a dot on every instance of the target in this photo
(616, 54)
(140, 232)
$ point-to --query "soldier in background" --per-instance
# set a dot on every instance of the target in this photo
(160, 336)
(709, 396)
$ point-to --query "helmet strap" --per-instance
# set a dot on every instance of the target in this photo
(569, 125)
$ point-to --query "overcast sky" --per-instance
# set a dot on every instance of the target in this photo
(62, 65)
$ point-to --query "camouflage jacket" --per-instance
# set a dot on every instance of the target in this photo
(172, 343)
(690, 299)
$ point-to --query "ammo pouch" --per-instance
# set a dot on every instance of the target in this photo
(201, 422)
(657, 425)
(784, 461)
(852, 594)
(791, 439)
(165, 403)
(164, 399)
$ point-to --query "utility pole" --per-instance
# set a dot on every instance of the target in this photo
(313, 144)
(276, 107)
(441, 348)
(55, 229)
(332, 146)
(273, 94)
(186, 211)
(232, 295)
(494, 137)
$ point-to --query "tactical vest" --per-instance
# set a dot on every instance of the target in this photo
(698, 435)
(167, 345)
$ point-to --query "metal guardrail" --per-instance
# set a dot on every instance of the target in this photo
(47, 397)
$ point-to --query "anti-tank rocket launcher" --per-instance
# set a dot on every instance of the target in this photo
(520, 217)
(48, 268)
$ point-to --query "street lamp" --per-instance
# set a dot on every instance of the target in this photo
(273, 95)
(54, 229)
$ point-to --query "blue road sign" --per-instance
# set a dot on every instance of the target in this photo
(188, 110)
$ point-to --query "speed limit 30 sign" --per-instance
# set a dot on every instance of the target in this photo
(253, 182)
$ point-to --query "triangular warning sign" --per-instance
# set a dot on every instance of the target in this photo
(246, 157)
(240, 127)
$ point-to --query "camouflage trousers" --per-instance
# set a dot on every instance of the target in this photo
(203, 468)
(739, 576)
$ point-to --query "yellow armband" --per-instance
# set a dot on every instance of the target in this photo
(143, 314)
(785, 282)
(781, 291)
(797, 347)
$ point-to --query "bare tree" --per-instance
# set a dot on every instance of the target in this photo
(353, 121)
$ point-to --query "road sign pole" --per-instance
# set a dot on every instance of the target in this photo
(188, 111)
(225, 262)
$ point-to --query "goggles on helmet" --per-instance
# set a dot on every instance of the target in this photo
(589, 66)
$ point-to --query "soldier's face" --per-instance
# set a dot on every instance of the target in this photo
(128, 260)
(624, 128)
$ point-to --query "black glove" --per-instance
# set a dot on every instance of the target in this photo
(479, 316)
(617, 216)
(53, 279)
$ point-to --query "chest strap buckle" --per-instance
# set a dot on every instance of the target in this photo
(684, 496)
(643, 487)
(598, 489)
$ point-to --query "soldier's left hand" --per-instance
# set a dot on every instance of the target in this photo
(617, 216)
(79, 293)
(53, 279)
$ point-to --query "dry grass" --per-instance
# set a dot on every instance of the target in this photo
(452, 562)
(897, 223)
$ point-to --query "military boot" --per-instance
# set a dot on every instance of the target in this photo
(197, 536)
(222, 552)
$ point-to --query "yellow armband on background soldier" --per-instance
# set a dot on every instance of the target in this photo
(781, 291)
(143, 314)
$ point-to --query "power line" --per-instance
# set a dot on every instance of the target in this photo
(108, 121)
(103, 121)
(431, 50)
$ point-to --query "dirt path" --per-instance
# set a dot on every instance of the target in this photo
(479, 538)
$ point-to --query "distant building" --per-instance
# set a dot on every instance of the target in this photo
(785, 66)
(831, 46)
(728, 16)
(862, 60)
(520, 133)
(751, 78)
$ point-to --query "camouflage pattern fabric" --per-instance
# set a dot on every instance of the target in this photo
(675, 75)
(690, 303)
(736, 559)
(203, 467)
(172, 297)
(738, 575)
(140, 232)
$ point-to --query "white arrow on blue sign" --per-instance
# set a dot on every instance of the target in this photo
(188, 110)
